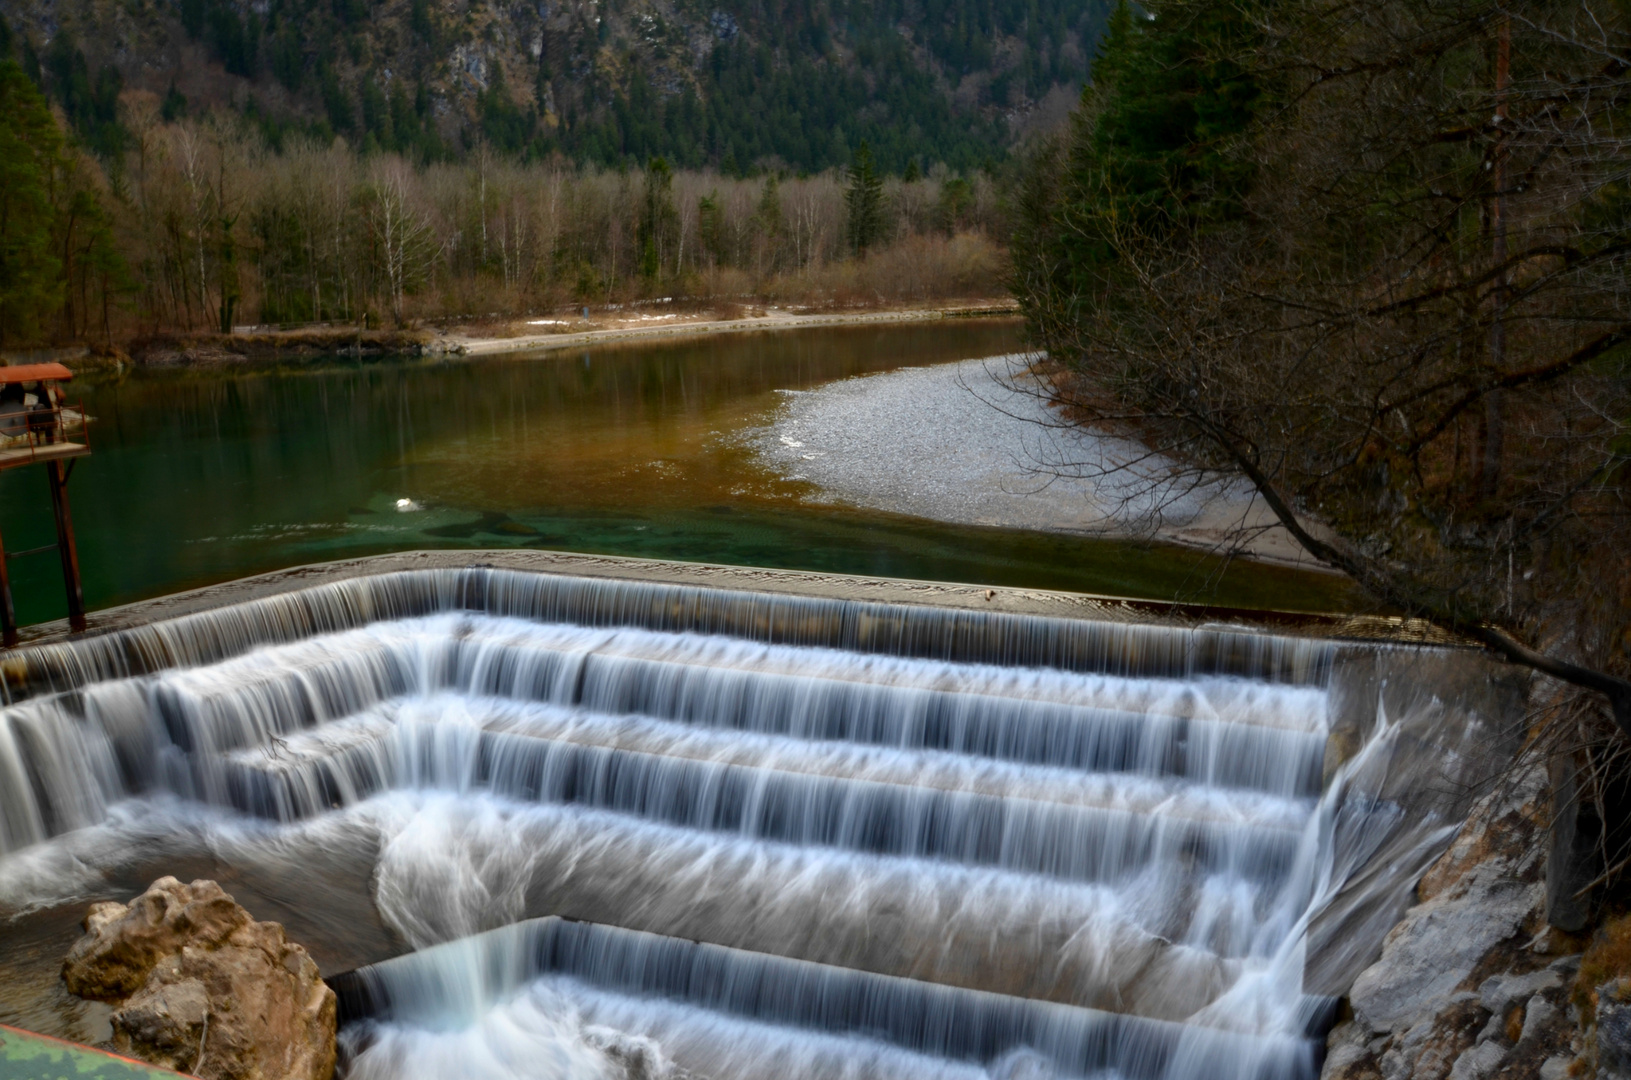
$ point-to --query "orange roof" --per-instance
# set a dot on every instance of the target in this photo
(33, 373)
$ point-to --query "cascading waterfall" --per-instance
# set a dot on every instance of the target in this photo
(731, 832)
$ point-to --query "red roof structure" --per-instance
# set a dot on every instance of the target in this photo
(34, 373)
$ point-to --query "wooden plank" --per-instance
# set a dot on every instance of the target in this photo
(49, 452)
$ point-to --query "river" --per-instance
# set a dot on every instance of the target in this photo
(204, 475)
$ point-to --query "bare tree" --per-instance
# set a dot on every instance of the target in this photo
(401, 232)
(1397, 304)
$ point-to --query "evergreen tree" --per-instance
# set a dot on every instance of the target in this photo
(956, 197)
(30, 146)
(91, 104)
(31, 63)
(767, 218)
(863, 200)
(1300, 274)
(711, 227)
(506, 125)
(659, 221)
(175, 104)
(1150, 143)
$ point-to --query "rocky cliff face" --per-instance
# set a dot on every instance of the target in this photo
(1474, 985)
(203, 988)
(699, 83)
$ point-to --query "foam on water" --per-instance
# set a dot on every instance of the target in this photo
(397, 735)
(808, 837)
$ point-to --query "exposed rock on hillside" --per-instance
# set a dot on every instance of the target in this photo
(726, 84)
(202, 987)
(1471, 984)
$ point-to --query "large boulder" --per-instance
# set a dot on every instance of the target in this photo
(201, 987)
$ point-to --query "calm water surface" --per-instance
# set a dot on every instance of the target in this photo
(203, 476)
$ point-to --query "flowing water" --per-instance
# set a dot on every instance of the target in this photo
(207, 475)
(617, 829)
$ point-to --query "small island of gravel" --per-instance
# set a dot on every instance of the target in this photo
(967, 443)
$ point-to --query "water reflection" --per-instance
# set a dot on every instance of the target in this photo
(201, 476)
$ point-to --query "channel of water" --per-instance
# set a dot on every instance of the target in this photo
(206, 475)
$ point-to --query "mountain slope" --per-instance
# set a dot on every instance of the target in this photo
(731, 83)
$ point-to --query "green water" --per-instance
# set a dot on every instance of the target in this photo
(203, 476)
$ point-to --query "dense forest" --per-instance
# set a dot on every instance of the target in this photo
(189, 224)
(735, 86)
(179, 166)
(1373, 259)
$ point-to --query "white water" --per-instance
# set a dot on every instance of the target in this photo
(1105, 861)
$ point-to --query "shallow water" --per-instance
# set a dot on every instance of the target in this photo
(202, 476)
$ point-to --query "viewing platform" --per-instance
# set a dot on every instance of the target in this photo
(36, 424)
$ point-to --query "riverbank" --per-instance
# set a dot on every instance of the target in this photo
(655, 322)
(974, 443)
(584, 328)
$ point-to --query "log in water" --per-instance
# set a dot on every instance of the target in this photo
(811, 836)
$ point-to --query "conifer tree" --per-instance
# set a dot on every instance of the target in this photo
(29, 148)
(768, 216)
(863, 200)
(711, 226)
(659, 220)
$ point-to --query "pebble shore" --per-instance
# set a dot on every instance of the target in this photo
(974, 443)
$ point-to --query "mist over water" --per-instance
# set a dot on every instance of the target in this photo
(653, 830)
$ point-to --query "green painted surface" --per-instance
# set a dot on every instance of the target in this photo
(26, 1056)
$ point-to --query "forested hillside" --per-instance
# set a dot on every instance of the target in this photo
(732, 84)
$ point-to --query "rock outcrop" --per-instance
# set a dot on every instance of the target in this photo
(1472, 984)
(203, 988)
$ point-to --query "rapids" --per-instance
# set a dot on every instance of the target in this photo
(617, 827)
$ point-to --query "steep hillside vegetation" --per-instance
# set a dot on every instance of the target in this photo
(728, 83)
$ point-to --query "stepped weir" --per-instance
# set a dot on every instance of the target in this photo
(735, 832)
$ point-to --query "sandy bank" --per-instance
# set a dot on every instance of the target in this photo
(656, 323)
(251, 344)
(965, 443)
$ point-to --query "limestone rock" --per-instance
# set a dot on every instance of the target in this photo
(1614, 1031)
(163, 1023)
(123, 942)
(1438, 946)
(1556, 1068)
(1349, 1053)
(1483, 1060)
(1498, 992)
(1479, 895)
(1466, 989)
(203, 988)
